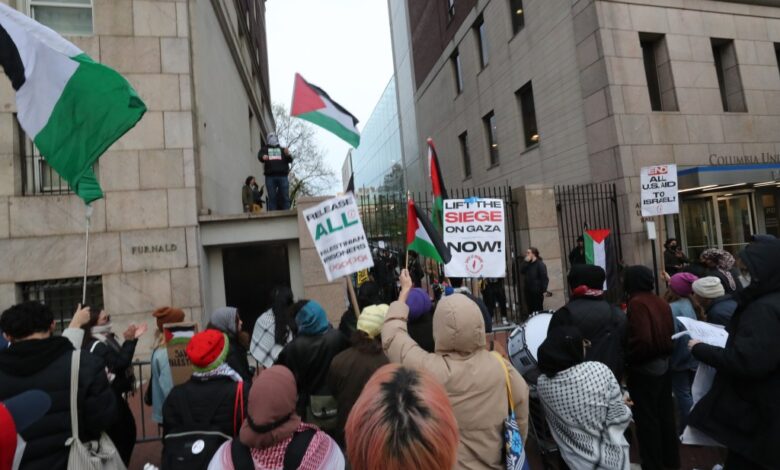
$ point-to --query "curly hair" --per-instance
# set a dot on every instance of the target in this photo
(402, 420)
(25, 319)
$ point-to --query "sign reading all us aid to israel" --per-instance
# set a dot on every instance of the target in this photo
(338, 236)
(659, 190)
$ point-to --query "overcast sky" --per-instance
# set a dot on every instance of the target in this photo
(342, 46)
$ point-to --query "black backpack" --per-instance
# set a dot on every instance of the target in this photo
(293, 455)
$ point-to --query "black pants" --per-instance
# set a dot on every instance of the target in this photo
(534, 300)
(738, 462)
(654, 416)
(122, 432)
(495, 293)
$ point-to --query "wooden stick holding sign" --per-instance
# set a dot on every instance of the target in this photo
(340, 240)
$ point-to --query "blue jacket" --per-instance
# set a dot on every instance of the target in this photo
(162, 382)
(721, 310)
(681, 357)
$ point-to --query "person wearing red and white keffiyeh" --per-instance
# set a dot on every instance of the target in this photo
(272, 425)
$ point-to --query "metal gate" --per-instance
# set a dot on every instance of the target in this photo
(384, 220)
(588, 207)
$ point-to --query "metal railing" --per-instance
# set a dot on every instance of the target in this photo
(142, 412)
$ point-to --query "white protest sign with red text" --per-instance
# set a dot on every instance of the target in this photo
(338, 236)
(474, 231)
(659, 190)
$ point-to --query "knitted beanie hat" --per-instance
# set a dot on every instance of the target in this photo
(208, 350)
(311, 319)
(165, 315)
(709, 287)
(682, 283)
(419, 303)
(371, 319)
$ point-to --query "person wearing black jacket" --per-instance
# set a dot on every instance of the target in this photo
(535, 280)
(602, 324)
(577, 254)
(276, 168)
(742, 409)
(38, 360)
(118, 360)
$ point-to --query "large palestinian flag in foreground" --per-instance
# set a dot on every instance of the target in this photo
(600, 252)
(70, 106)
(314, 105)
(422, 238)
(437, 184)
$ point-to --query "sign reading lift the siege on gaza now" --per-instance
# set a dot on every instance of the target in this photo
(474, 233)
(659, 190)
(338, 236)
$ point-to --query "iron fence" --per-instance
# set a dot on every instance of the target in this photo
(146, 429)
(384, 220)
(590, 207)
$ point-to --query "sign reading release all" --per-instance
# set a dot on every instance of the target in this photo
(659, 190)
(338, 236)
(474, 233)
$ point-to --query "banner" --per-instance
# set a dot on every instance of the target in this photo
(659, 190)
(338, 236)
(474, 232)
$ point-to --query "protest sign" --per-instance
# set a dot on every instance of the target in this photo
(177, 336)
(474, 231)
(659, 190)
(338, 236)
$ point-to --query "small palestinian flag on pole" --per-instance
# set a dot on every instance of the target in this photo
(422, 238)
(600, 252)
(314, 105)
(72, 107)
(437, 183)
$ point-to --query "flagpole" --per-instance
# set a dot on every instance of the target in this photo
(352, 296)
(88, 217)
(408, 196)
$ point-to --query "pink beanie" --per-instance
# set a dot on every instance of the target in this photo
(682, 284)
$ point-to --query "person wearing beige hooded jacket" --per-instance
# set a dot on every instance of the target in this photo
(472, 376)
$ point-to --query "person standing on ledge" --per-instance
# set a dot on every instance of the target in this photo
(276, 168)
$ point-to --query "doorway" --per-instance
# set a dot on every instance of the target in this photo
(251, 273)
(723, 221)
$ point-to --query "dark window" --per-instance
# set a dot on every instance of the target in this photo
(518, 15)
(777, 55)
(525, 96)
(450, 9)
(658, 71)
(62, 296)
(458, 71)
(464, 151)
(729, 81)
(491, 133)
(482, 41)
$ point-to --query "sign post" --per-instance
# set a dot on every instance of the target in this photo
(339, 238)
(475, 233)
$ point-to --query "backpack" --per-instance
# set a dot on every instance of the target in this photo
(193, 445)
(293, 455)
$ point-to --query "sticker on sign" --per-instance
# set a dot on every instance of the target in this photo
(338, 236)
(659, 190)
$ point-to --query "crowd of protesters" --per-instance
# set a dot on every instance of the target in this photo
(413, 384)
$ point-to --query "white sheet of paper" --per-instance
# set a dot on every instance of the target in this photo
(705, 332)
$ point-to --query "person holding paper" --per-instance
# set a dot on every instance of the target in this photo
(742, 409)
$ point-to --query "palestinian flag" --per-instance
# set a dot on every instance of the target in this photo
(314, 105)
(71, 107)
(600, 252)
(437, 183)
(178, 333)
(422, 238)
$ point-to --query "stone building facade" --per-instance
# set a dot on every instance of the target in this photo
(537, 93)
(201, 68)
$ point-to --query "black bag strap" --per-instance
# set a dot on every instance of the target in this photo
(293, 455)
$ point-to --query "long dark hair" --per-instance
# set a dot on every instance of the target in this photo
(248, 180)
(94, 314)
(364, 344)
(292, 311)
(281, 299)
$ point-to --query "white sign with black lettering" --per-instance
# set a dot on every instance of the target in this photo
(659, 190)
(474, 231)
(338, 236)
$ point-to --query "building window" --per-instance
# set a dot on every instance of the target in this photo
(450, 9)
(518, 15)
(658, 71)
(457, 70)
(70, 17)
(525, 96)
(464, 152)
(729, 81)
(777, 55)
(491, 132)
(482, 41)
(62, 296)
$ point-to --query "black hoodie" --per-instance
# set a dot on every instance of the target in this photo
(44, 364)
(742, 409)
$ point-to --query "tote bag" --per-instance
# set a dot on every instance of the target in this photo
(514, 449)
